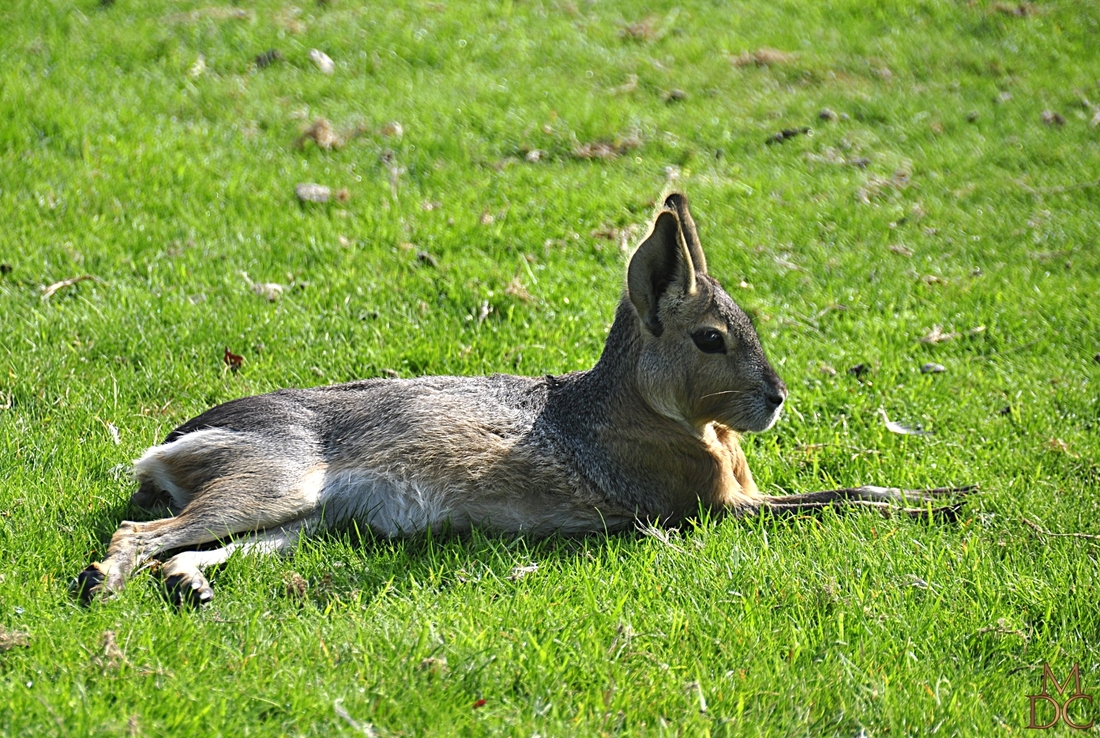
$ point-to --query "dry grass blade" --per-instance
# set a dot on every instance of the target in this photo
(664, 535)
(1045, 532)
(902, 430)
(343, 714)
(50, 291)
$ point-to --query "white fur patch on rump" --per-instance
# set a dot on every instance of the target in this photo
(153, 465)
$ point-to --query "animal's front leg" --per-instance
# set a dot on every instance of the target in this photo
(884, 499)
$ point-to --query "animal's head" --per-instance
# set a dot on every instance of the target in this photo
(701, 360)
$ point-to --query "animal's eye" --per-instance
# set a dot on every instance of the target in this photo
(709, 341)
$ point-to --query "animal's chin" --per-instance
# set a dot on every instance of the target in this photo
(743, 422)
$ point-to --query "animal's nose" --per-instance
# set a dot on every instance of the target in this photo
(774, 397)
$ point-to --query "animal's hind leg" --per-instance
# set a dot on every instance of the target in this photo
(183, 573)
(235, 503)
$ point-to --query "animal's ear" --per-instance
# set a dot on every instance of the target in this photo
(660, 265)
(678, 203)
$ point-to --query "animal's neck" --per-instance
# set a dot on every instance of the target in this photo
(686, 463)
(616, 374)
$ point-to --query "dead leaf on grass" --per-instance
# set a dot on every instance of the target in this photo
(312, 192)
(1019, 10)
(787, 133)
(762, 57)
(642, 31)
(321, 132)
(434, 665)
(932, 368)
(606, 150)
(296, 585)
(232, 360)
(395, 170)
(212, 13)
(859, 370)
(322, 61)
(1052, 118)
(1059, 446)
(937, 334)
(393, 129)
(198, 68)
(269, 57)
(517, 290)
(877, 186)
(484, 311)
(630, 85)
(10, 639)
(901, 250)
(783, 261)
(270, 291)
(520, 572)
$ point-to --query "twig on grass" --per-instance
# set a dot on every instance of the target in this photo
(1036, 527)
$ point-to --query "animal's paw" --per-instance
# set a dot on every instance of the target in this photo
(189, 589)
(88, 584)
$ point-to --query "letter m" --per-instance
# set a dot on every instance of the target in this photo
(1074, 674)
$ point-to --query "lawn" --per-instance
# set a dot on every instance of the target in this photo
(490, 164)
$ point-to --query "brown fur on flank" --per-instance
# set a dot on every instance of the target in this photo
(649, 434)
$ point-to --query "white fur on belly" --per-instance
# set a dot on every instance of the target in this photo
(389, 505)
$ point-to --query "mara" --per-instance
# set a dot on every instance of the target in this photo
(649, 434)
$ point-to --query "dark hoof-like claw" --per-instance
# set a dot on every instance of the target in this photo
(88, 584)
(190, 590)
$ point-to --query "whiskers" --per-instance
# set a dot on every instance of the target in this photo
(727, 392)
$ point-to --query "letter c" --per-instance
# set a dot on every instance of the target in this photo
(1065, 712)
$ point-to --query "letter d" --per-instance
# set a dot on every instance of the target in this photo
(1053, 720)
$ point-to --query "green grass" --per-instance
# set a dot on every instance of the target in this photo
(116, 162)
